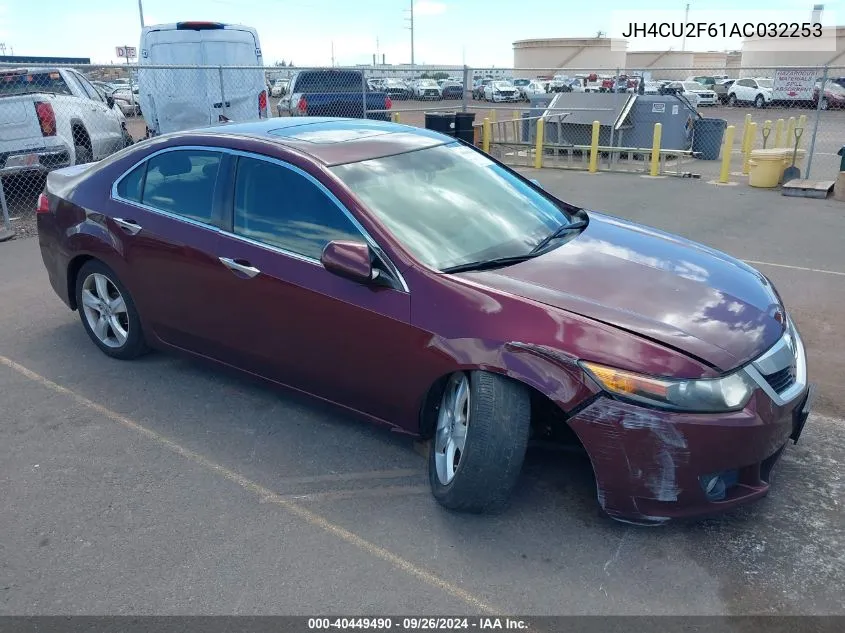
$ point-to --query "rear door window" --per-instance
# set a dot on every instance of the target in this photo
(280, 207)
(182, 182)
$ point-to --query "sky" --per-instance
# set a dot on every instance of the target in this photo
(472, 32)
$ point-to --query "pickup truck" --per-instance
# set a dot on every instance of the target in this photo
(332, 92)
(55, 117)
(721, 89)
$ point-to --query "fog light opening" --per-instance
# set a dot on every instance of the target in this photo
(716, 486)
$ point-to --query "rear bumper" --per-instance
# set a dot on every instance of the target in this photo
(39, 159)
(652, 466)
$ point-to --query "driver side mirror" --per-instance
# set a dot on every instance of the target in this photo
(349, 259)
(109, 101)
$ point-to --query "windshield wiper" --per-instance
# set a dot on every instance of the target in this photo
(560, 231)
(486, 264)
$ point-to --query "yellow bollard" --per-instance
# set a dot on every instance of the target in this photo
(802, 123)
(395, 116)
(485, 135)
(727, 150)
(746, 128)
(790, 132)
(778, 133)
(594, 148)
(655, 150)
(538, 146)
(752, 134)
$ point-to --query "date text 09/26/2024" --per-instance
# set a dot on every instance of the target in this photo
(416, 623)
(723, 29)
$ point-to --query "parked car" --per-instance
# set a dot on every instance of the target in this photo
(452, 90)
(396, 89)
(556, 322)
(332, 92)
(834, 96)
(708, 81)
(182, 99)
(501, 91)
(751, 90)
(55, 117)
(427, 89)
(677, 88)
(531, 89)
(478, 89)
(279, 87)
(519, 84)
(721, 88)
(694, 92)
(652, 88)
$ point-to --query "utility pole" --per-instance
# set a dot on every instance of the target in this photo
(332, 53)
(141, 12)
(3, 48)
(684, 37)
(411, 20)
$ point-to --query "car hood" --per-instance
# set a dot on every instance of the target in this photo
(673, 291)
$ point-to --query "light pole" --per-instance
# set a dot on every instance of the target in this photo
(141, 12)
(411, 20)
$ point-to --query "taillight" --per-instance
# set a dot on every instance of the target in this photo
(43, 204)
(302, 106)
(262, 103)
(46, 117)
(387, 102)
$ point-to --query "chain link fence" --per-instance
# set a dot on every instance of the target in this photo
(53, 117)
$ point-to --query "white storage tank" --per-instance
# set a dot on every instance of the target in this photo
(568, 54)
(654, 61)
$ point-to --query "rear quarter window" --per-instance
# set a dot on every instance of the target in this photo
(30, 83)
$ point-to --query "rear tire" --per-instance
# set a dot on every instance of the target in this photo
(127, 138)
(825, 103)
(108, 312)
(487, 418)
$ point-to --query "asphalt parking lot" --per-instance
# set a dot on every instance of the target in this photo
(165, 486)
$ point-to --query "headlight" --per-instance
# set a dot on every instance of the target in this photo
(728, 393)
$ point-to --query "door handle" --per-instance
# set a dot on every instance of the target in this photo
(130, 226)
(246, 269)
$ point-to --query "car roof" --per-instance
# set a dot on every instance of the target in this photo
(334, 141)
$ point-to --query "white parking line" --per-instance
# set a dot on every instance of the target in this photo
(263, 494)
(810, 270)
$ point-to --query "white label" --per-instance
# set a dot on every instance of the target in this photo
(794, 83)
(674, 109)
(658, 107)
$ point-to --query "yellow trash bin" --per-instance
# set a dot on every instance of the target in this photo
(766, 167)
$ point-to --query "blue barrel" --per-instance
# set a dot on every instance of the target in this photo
(707, 137)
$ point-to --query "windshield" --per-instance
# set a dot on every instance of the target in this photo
(428, 82)
(501, 84)
(764, 83)
(451, 205)
(693, 85)
(521, 82)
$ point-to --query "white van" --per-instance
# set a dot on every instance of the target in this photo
(174, 99)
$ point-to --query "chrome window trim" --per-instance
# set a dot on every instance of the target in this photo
(787, 350)
(234, 152)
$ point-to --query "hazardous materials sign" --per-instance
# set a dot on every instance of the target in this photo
(794, 84)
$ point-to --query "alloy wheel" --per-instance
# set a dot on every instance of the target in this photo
(105, 310)
(452, 425)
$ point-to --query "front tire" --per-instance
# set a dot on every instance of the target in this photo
(732, 100)
(825, 104)
(483, 423)
(108, 312)
(759, 101)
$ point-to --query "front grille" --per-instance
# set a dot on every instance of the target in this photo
(781, 379)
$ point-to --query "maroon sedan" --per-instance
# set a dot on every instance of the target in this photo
(413, 279)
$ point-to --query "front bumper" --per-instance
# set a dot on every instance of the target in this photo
(652, 465)
(503, 98)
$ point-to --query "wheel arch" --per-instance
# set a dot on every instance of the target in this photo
(555, 386)
(73, 268)
(76, 124)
